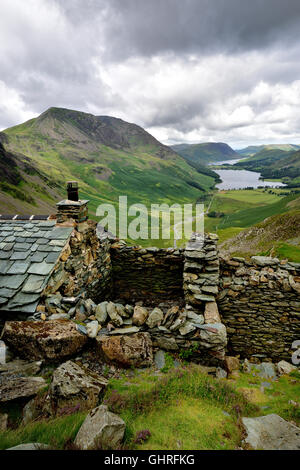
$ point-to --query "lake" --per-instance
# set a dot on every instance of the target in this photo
(239, 179)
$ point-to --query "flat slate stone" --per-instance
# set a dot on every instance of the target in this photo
(20, 255)
(5, 254)
(22, 246)
(4, 266)
(22, 299)
(12, 282)
(30, 446)
(34, 283)
(52, 257)
(18, 268)
(8, 293)
(38, 257)
(8, 246)
(61, 233)
(41, 268)
(271, 432)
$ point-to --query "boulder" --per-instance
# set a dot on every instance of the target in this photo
(133, 350)
(195, 318)
(231, 363)
(166, 343)
(221, 373)
(101, 313)
(100, 430)
(92, 329)
(155, 318)
(213, 334)
(75, 387)
(211, 313)
(271, 432)
(160, 359)
(113, 314)
(186, 328)
(30, 446)
(284, 367)
(52, 340)
(267, 370)
(264, 260)
(20, 387)
(20, 367)
(140, 315)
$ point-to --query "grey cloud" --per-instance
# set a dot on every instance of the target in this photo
(79, 54)
(192, 26)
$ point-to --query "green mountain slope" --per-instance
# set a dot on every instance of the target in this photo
(275, 163)
(108, 156)
(206, 153)
(23, 188)
(277, 235)
(255, 149)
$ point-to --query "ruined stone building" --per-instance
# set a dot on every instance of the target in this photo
(60, 267)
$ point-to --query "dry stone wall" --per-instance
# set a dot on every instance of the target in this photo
(259, 303)
(147, 274)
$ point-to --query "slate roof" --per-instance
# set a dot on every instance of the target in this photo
(29, 250)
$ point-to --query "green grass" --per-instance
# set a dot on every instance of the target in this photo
(174, 406)
(292, 253)
(187, 424)
(55, 432)
(183, 409)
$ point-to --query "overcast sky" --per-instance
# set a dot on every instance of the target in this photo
(186, 70)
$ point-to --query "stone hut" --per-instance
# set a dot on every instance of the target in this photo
(41, 255)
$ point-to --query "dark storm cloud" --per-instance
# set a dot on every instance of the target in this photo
(185, 69)
(149, 27)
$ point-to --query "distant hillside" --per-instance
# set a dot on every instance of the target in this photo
(23, 188)
(254, 149)
(275, 163)
(206, 153)
(108, 156)
(276, 236)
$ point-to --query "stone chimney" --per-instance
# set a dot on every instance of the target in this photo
(73, 207)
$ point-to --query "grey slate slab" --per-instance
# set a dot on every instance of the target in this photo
(4, 266)
(20, 255)
(12, 282)
(7, 293)
(22, 299)
(61, 233)
(22, 246)
(10, 239)
(42, 241)
(57, 243)
(42, 268)
(38, 257)
(34, 284)
(8, 246)
(5, 254)
(52, 257)
(45, 248)
(18, 268)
